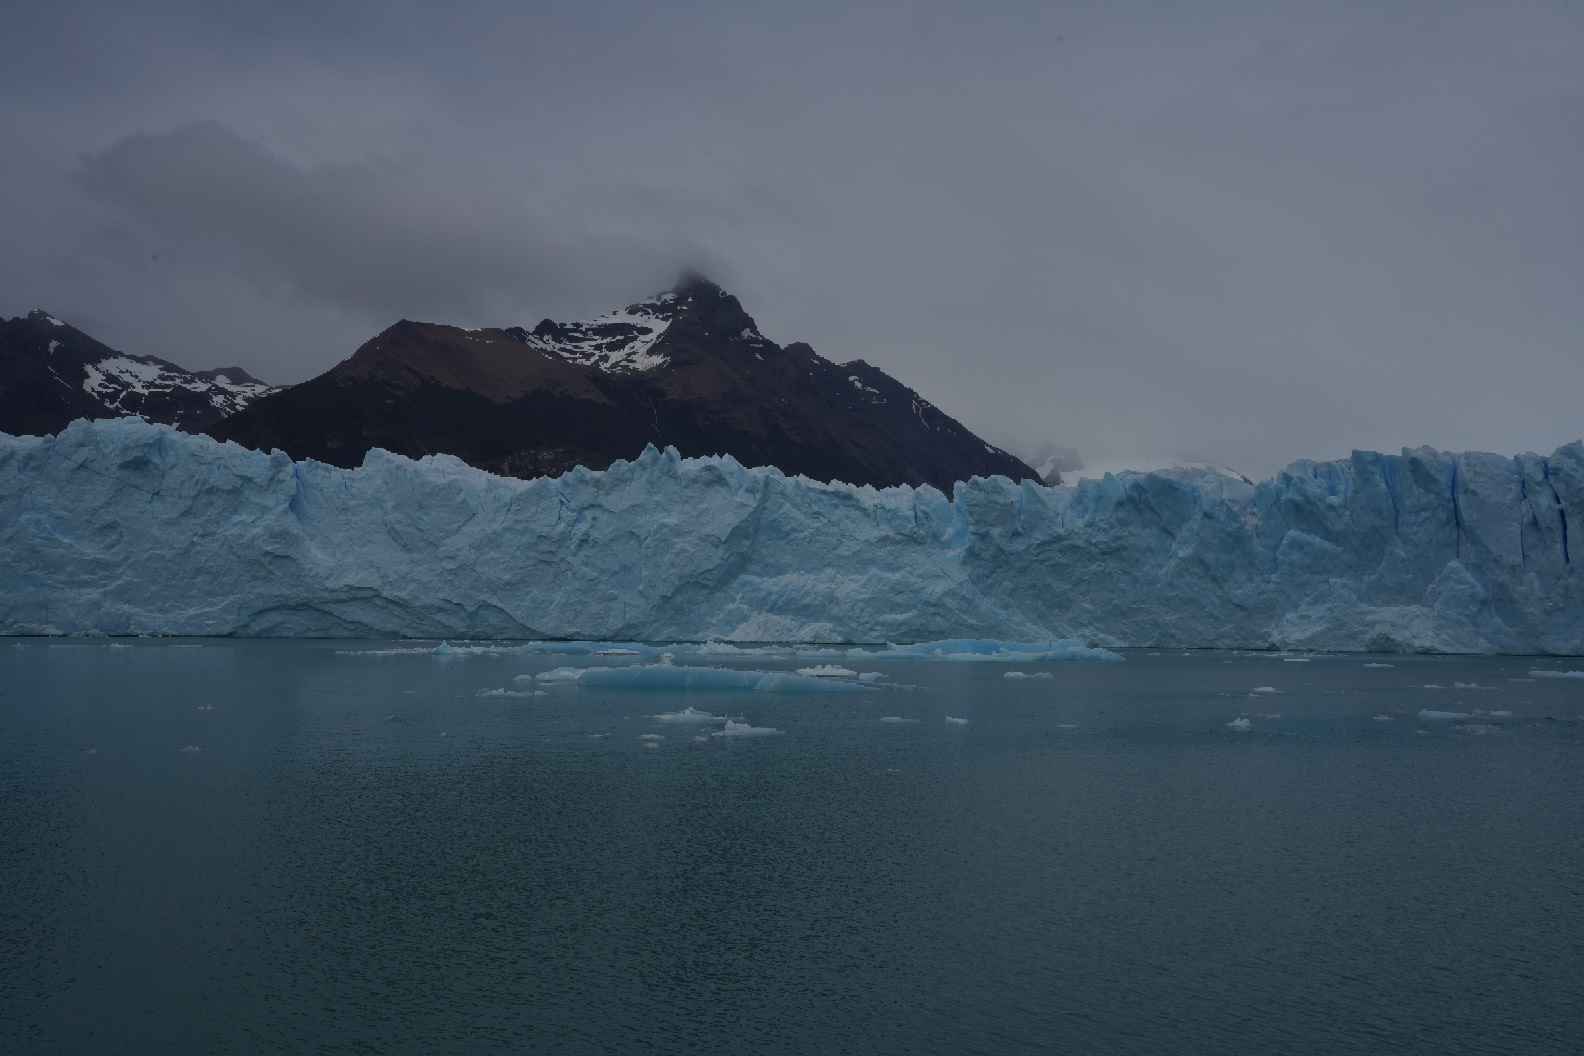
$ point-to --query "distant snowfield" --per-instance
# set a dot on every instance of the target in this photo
(618, 341)
(123, 527)
(117, 377)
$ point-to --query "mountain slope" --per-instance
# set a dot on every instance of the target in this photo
(687, 368)
(52, 373)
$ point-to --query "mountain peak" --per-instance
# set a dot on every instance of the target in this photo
(686, 368)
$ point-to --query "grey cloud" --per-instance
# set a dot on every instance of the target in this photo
(1255, 232)
(389, 237)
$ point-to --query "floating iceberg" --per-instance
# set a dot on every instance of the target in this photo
(1027, 674)
(742, 729)
(991, 649)
(689, 715)
(1556, 674)
(122, 527)
(669, 676)
(1428, 714)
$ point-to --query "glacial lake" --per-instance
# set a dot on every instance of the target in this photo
(222, 846)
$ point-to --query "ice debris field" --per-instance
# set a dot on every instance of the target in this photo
(122, 527)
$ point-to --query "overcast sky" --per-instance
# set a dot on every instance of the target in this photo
(1243, 232)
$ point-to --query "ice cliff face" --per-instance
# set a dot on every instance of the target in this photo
(121, 526)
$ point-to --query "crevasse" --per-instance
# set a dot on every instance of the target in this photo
(123, 527)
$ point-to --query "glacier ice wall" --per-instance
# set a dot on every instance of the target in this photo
(125, 527)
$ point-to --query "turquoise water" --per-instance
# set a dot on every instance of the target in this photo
(364, 855)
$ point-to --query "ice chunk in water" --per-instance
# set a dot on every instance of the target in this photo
(1240, 725)
(992, 649)
(956, 722)
(670, 676)
(1027, 674)
(688, 715)
(560, 674)
(1556, 674)
(1426, 713)
(827, 671)
(742, 729)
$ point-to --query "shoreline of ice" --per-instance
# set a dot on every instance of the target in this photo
(121, 527)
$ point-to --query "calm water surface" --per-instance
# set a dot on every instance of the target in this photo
(365, 856)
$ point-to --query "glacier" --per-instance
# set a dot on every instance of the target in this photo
(124, 527)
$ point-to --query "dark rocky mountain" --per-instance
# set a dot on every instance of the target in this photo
(51, 373)
(687, 368)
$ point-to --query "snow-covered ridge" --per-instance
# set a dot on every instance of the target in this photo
(123, 527)
(619, 341)
(114, 379)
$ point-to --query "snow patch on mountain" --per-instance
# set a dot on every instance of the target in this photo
(112, 380)
(620, 340)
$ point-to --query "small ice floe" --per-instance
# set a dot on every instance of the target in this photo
(895, 720)
(118, 645)
(617, 651)
(1276, 716)
(665, 675)
(688, 715)
(408, 692)
(1068, 726)
(1426, 713)
(90, 751)
(512, 693)
(956, 721)
(1501, 714)
(651, 736)
(1377, 665)
(1465, 685)
(1295, 659)
(651, 744)
(1422, 731)
(192, 748)
(700, 737)
(1263, 689)
(597, 736)
(1477, 728)
(1429, 685)
(1384, 718)
(1556, 674)
(1240, 725)
(444, 734)
(560, 674)
(1027, 674)
(206, 707)
(827, 671)
(872, 676)
(742, 729)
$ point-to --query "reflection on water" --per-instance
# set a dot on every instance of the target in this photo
(282, 846)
